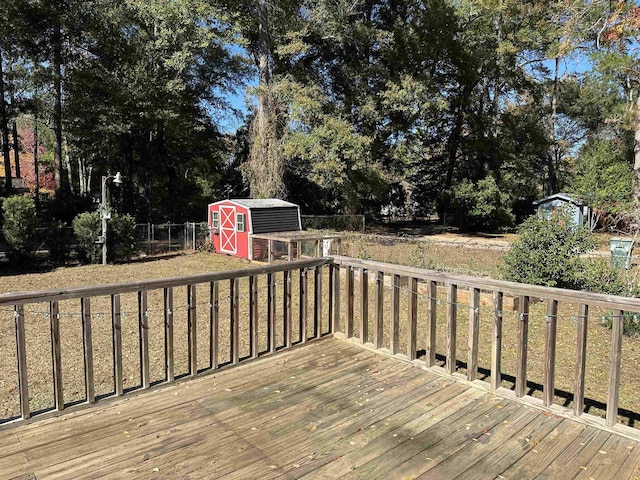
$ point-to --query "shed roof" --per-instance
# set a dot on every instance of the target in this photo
(261, 202)
(560, 196)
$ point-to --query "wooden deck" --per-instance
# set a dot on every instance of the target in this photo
(329, 409)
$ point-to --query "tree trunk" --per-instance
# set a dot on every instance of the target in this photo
(636, 156)
(35, 161)
(4, 126)
(67, 166)
(16, 149)
(57, 105)
(552, 155)
(265, 168)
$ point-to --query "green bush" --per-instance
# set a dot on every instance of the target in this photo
(120, 236)
(481, 205)
(87, 229)
(548, 252)
(20, 222)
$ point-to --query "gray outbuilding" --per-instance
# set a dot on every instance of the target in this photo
(579, 211)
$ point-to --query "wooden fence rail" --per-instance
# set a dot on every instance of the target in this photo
(17, 303)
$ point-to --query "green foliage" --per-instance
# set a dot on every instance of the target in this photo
(481, 206)
(87, 228)
(604, 176)
(548, 252)
(596, 275)
(20, 222)
(121, 235)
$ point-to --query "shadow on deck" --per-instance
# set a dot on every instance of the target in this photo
(328, 409)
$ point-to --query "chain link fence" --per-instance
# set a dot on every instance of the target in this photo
(151, 239)
(154, 239)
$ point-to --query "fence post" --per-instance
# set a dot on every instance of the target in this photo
(169, 230)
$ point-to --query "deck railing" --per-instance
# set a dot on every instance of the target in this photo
(413, 283)
(210, 321)
(267, 326)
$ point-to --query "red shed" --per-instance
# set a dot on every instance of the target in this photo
(232, 222)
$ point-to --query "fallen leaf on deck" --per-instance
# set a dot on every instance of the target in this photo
(156, 469)
(602, 452)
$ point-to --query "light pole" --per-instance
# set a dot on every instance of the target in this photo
(105, 211)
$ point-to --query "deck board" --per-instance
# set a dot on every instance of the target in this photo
(329, 409)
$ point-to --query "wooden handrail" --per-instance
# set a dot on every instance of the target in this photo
(134, 287)
(17, 303)
(396, 276)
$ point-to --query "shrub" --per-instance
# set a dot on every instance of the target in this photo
(120, 236)
(548, 252)
(87, 229)
(20, 222)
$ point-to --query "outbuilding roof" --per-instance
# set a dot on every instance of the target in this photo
(560, 196)
(262, 202)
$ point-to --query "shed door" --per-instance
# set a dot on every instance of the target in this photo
(228, 237)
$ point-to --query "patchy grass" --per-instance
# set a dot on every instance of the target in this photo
(456, 258)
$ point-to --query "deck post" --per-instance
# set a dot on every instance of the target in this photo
(581, 360)
(271, 312)
(523, 345)
(23, 382)
(452, 314)
(364, 306)
(214, 327)
(432, 303)
(303, 285)
(413, 318)
(474, 333)
(496, 341)
(234, 310)
(253, 316)
(550, 352)
(613, 395)
(394, 332)
(335, 321)
(143, 336)
(116, 328)
(286, 307)
(168, 334)
(349, 294)
(378, 336)
(192, 330)
(88, 350)
(56, 356)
